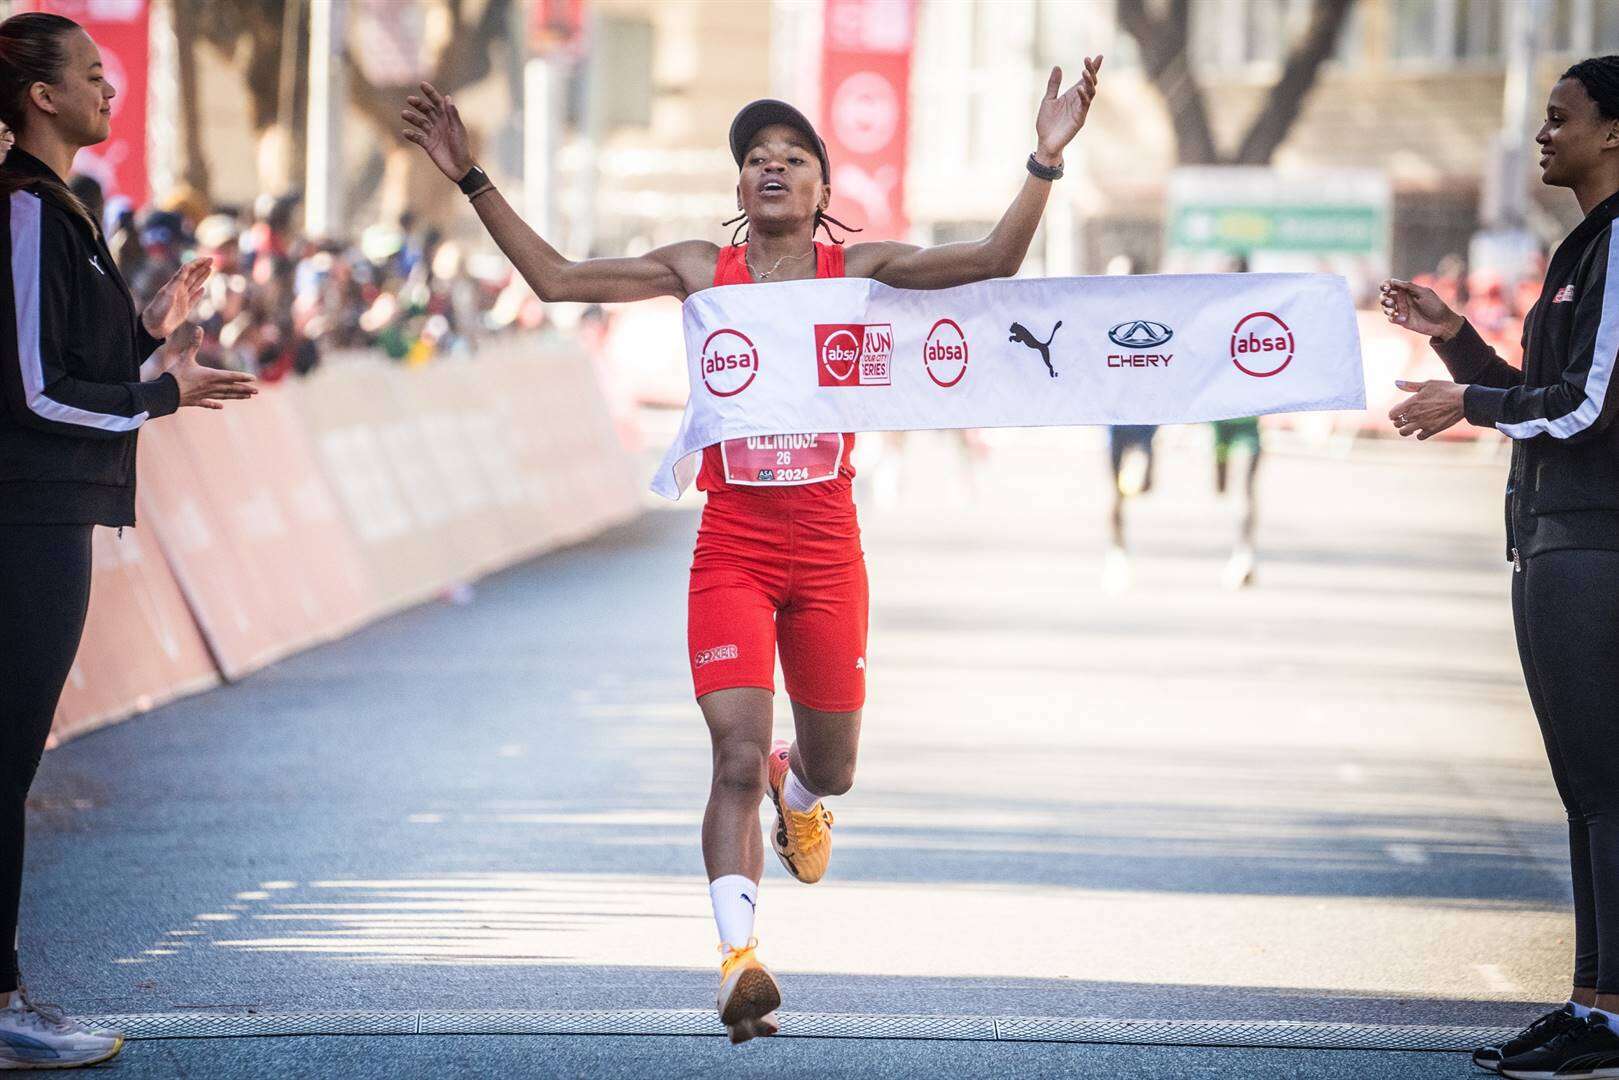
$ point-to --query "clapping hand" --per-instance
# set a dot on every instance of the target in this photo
(1432, 407)
(205, 387)
(172, 305)
(1418, 309)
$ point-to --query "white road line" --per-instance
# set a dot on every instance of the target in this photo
(1410, 854)
(1495, 979)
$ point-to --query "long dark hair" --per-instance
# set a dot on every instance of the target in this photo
(1600, 77)
(32, 50)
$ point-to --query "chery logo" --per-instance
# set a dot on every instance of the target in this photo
(1261, 345)
(944, 353)
(853, 354)
(1140, 334)
(729, 363)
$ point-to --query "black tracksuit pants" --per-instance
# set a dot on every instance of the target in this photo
(1565, 605)
(44, 594)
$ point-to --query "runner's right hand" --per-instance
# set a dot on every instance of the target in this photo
(1419, 309)
(206, 387)
(435, 126)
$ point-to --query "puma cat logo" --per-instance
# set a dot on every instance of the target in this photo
(1022, 336)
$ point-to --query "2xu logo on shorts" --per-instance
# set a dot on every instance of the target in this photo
(718, 652)
(1261, 345)
(853, 354)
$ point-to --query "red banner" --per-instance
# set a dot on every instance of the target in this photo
(865, 111)
(120, 28)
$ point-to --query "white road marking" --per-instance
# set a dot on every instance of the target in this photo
(1495, 979)
(1410, 854)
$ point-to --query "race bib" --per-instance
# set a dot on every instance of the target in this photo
(782, 460)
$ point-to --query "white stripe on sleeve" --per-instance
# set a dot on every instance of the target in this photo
(1602, 361)
(25, 256)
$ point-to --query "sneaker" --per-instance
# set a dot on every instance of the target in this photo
(1239, 570)
(748, 995)
(41, 1037)
(1587, 1050)
(803, 841)
(1536, 1035)
(1116, 573)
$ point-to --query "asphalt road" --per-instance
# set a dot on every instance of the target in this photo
(1318, 799)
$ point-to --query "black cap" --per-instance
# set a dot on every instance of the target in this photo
(767, 111)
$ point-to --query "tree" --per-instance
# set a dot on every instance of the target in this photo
(267, 41)
(270, 41)
(460, 53)
(1164, 39)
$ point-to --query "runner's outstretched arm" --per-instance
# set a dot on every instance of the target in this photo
(434, 124)
(999, 254)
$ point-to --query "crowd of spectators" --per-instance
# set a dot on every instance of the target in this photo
(279, 301)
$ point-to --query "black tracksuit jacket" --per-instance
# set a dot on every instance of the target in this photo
(71, 347)
(1563, 488)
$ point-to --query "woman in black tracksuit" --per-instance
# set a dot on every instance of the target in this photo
(71, 348)
(1562, 538)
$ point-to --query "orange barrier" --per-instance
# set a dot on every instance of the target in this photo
(329, 501)
(141, 647)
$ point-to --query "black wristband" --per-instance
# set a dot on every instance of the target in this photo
(1044, 172)
(475, 180)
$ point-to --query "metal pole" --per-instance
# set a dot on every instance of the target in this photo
(1506, 245)
(542, 142)
(1520, 101)
(328, 99)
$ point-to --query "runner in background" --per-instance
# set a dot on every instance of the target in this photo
(1239, 440)
(1129, 450)
(778, 564)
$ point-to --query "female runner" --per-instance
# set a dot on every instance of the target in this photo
(71, 347)
(778, 565)
(1562, 538)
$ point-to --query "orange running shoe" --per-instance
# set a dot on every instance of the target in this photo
(803, 841)
(748, 996)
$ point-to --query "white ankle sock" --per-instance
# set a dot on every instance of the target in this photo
(734, 898)
(796, 795)
(1580, 1011)
(1611, 1019)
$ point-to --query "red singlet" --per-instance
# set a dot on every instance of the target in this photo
(778, 563)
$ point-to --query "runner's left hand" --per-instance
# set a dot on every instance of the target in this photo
(1061, 116)
(1434, 406)
(172, 305)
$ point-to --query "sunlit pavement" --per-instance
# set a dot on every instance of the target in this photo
(1321, 798)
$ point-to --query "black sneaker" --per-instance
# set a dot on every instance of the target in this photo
(1536, 1035)
(1587, 1050)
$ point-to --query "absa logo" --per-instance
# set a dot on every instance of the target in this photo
(1261, 345)
(729, 363)
(840, 352)
(944, 353)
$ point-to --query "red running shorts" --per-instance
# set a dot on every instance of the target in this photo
(775, 574)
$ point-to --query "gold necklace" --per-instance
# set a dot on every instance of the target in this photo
(760, 277)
